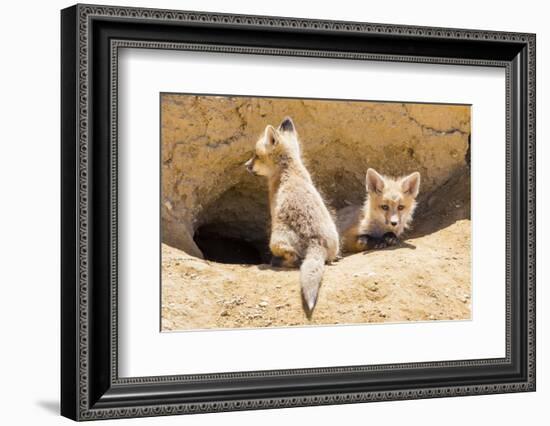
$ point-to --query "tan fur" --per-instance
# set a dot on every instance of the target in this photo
(302, 228)
(388, 200)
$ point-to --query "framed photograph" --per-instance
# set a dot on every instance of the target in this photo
(263, 212)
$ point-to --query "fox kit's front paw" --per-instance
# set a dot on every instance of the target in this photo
(367, 242)
(390, 238)
(378, 243)
(362, 242)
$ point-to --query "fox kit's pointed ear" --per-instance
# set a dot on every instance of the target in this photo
(271, 138)
(411, 184)
(375, 182)
(287, 125)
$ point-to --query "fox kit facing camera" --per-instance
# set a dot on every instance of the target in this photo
(302, 229)
(386, 214)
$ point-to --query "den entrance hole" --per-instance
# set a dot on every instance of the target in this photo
(221, 248)
(234, 227)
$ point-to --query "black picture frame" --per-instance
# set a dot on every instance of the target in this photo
(90, 386)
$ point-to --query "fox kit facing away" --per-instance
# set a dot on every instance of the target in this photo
(387, 212)
(302, 229)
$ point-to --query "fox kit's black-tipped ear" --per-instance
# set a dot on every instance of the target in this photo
(271, 138)
(287, 125)
(411, 184)
(375, 182)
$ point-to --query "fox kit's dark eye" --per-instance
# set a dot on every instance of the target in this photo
(401, 207)
(384, 207)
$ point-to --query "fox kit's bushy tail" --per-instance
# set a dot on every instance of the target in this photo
(311, 273)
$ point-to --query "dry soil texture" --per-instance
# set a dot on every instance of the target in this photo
(426, 277)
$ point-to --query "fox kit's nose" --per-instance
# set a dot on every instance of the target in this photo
(393, 223)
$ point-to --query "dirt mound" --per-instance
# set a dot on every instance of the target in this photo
(426, 277)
